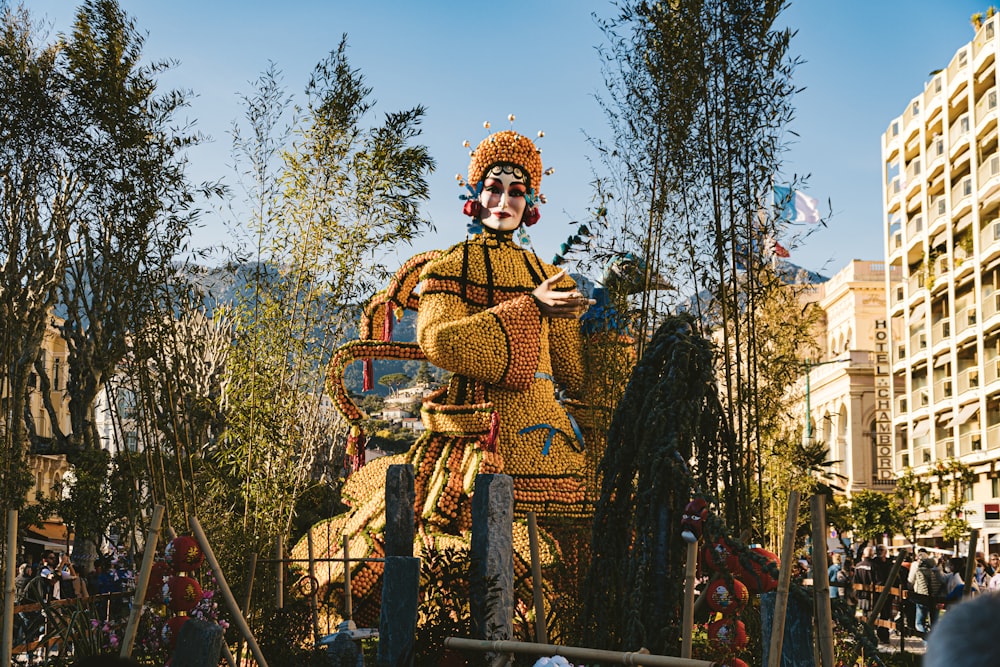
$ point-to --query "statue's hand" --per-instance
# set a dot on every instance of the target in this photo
(553, 303)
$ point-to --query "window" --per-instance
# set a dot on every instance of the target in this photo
(963, 58)
(988, 34)
(131, 441)
(995, 487)
(944, 495)
(56, 373)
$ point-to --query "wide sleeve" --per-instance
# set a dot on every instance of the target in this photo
(500, 345)
(566, 351)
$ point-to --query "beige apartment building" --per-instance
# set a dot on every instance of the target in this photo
(848, 394)
(942, 228)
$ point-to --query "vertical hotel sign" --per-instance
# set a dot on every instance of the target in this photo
(883, 403)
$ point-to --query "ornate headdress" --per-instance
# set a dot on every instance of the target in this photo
(507, 148)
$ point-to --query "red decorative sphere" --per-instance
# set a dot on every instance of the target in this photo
(716, 555)
(755, 575)
(727, 634)
(735, 662)
(172, 630)
(157, 577)
(182, 593)
(724, 600)
(184, 554)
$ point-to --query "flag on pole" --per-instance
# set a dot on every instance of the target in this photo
(780, 250)
(796, 206)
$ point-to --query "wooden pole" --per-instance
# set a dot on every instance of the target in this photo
(821, 582)
(348, 600)
(970, 564)
(280, 574)
(883, 598)
(784, 578)
(227, 594)
(313, 604)
(541, 631)
(139, 596)
(687, 631)
(8, 589)
(251, 570)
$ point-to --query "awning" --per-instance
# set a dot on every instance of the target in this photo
(943, 360)
(921, 428)
(50, 534)
(917, 313)
(964, 414)
(963, 223)
(940, 239)
(945, 416)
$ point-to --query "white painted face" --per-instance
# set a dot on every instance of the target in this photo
(503, 199)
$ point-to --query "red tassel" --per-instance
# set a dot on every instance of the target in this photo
(359, 458)
(367, 375)
(387, 323)
(491, 437)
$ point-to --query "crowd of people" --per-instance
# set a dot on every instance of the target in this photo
(54, 576)
(932, 583)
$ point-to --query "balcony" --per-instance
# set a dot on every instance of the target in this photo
(916, 282)
(991, 370)
(893, 189)
(986, 109)
(989, 177)
(914, 228)
(945, 449)
(959, 133)
(912, 172)
(989, 238)
(902, 405)
(942, 329)
(993, 436)
(961, 196)
(918, 343)
(921, 397)
(970, 442)
(968, 380)
(935, 156)
(942, 390)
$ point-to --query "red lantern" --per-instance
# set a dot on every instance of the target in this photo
(157, 575)
(172, 630)
(724, 600)
(182, 593)
(755, 575)
(716, 555)
(184, 554)
(728, 634)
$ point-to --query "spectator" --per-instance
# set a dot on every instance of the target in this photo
(994, 583)
(927, 586)
(964, 638)
(845, 581)
(954, 587)
(864, 574)
(832, 574)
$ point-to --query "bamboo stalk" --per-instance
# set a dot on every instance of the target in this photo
(227, 594)
(251, 570)
(572, 653)
(348, 600)
(280, 574)
(687, 630)
(313, 605)
(139, 596)
(784, 577)
(8, 589)
(821, 582)
(541, 631)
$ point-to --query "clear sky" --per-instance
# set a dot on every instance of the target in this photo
(471, 62)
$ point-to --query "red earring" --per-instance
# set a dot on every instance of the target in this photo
(532, 216)
(472, 208)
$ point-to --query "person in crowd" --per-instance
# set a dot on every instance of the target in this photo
(880, 577)
(926, 587)
(68, 578)
(993, 586)
(845, 582)
(954, 587)
(864, 574)
(964, 637)
(833, 573)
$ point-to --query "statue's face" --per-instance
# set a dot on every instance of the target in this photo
(503, 198)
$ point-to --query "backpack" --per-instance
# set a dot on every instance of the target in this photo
(927, 582)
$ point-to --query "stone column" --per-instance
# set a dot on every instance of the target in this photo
(492, 580)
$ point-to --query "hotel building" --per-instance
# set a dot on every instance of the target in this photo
(941, 186)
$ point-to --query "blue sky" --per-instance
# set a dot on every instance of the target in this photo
(470, 62)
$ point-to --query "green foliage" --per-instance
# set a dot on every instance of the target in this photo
(912, 498)
(954, 479)
(394, 381)
(872, 514)
(443, 604)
